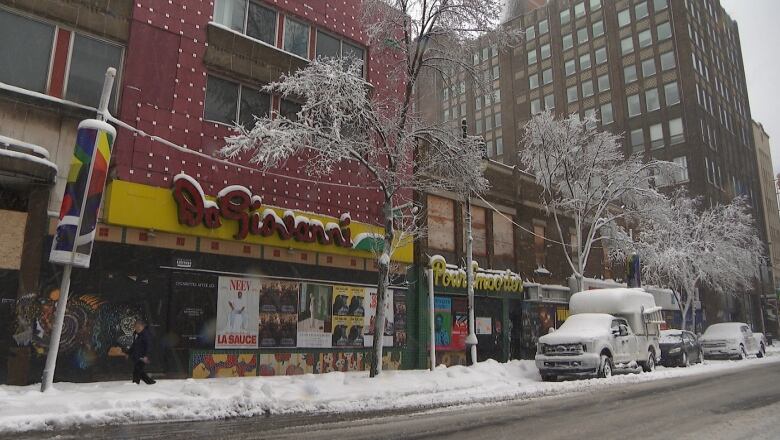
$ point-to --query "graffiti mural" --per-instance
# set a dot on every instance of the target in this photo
(286, 364)
(211, 364)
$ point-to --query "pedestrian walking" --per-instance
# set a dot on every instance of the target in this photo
(139, 352)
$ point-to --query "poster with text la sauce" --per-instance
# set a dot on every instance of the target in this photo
(238, 300)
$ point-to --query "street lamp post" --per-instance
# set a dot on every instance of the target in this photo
(471, 339)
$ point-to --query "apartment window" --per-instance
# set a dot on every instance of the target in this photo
(606, 114)
(568, 42)
(598, 28)
(645, 38)
(296, 37)
(530, 33)
(664, 31)
(587, 89)
(668, 61)
(629, 73)
(496, 71)
(549, 102)
(624, 17)
(228, 102)
(544, 27)
(601, 55)
(478, 102)
(626, 45)
(676, 132)
(571, 94)
(499, 146)
(21, 35)
(585, 61)
(488, 123)
(595, 5)
(579, 10)
(571, 67)
(261, 23)
(480, 125)
(536, 106)
(565, 16)
(485, 53)
(532, 57)
(640, 10)
(582, 35)
(672, 94)
(652, 101)
(497, 118)
(680, 172)
(496, 96)
(603, 82)
(230, 13)
(89, 59)
(545, 50)
(533, 81)
(656, 136)
(648, 67)
(637, 140)
(590, 117)
(547, 76)
(634, 106)
(659, 5)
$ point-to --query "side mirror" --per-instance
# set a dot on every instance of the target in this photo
(615, 332)
(623, 330)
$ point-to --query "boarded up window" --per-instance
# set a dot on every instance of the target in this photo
(479, 230)
(12, 238)
(503, 236)
(539, 245)
(441, 224)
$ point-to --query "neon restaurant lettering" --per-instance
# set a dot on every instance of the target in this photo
(494, 280)
(236, 202)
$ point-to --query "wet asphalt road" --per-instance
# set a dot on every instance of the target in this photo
(740, 404)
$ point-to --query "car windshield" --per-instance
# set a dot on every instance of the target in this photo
(721, 331)
(670, 337)
(593, 321)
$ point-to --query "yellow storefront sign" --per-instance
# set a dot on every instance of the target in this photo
(236, 215)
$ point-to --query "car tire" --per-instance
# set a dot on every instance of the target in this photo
(685, 362)
(648, 366)
(701, 356)
(761, 351)
(549, 378)
(743, 353)
(605, 371)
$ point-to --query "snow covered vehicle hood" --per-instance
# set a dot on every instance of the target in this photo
(579, 328)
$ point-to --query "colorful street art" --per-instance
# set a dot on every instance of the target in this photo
(207, 365)
(286, 364)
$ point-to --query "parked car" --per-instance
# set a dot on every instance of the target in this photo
(679, 348)
(607, 329)
(728, 340)
(761, 341)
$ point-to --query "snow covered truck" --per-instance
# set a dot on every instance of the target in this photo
(608, 329)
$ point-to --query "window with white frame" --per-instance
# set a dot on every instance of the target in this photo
(629, 73)
(672, 94)
(571, 94)
(624, 17)
(634, 106)
(247, 17)
(656, 136)
(598, 28)
(533, 81)
(603, 82)
(601, 55)
(667, 61)
(587, 88)
(652, 101)
(676, 131)
(585, 61)
(606, 114)
(568, 41)
(570, 66)
(637, 140)
(626, 45)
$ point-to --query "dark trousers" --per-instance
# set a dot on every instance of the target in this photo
(139, 374)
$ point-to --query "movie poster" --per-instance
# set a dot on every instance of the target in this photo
(278, 313)
(399, 318)
(348, 312)
(442, 322)
(192, 309)
(483, 325)
(460, 323)
(369, 322)
(237, 302)
(315, 324)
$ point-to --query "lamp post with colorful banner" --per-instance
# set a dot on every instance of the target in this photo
(75, 234)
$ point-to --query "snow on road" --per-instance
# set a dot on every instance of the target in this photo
(70, 405)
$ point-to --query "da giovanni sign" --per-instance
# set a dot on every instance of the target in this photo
(237, 203)
(445, 275)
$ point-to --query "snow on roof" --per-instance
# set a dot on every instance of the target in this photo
(615, 301)
(22, 150)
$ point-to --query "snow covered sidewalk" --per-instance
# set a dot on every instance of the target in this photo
(70, 405)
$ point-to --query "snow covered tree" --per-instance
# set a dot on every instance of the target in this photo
(585, 176)
(342, 120)
(683, 247)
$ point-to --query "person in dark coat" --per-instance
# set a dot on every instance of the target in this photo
(139, 352)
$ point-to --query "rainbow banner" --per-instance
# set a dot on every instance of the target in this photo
(80, 205)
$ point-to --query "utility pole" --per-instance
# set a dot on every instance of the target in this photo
(47, 378)
(471, 340)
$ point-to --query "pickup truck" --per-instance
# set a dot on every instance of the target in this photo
(609, 329)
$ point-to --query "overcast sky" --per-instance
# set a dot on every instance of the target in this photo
(759, 30)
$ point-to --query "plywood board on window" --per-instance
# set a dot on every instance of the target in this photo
(12, 238)
(441, 223)
(503, 236)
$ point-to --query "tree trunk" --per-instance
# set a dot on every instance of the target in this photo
(685, 308)
(383, 264)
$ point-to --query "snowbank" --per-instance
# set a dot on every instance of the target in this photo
(70, 405)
